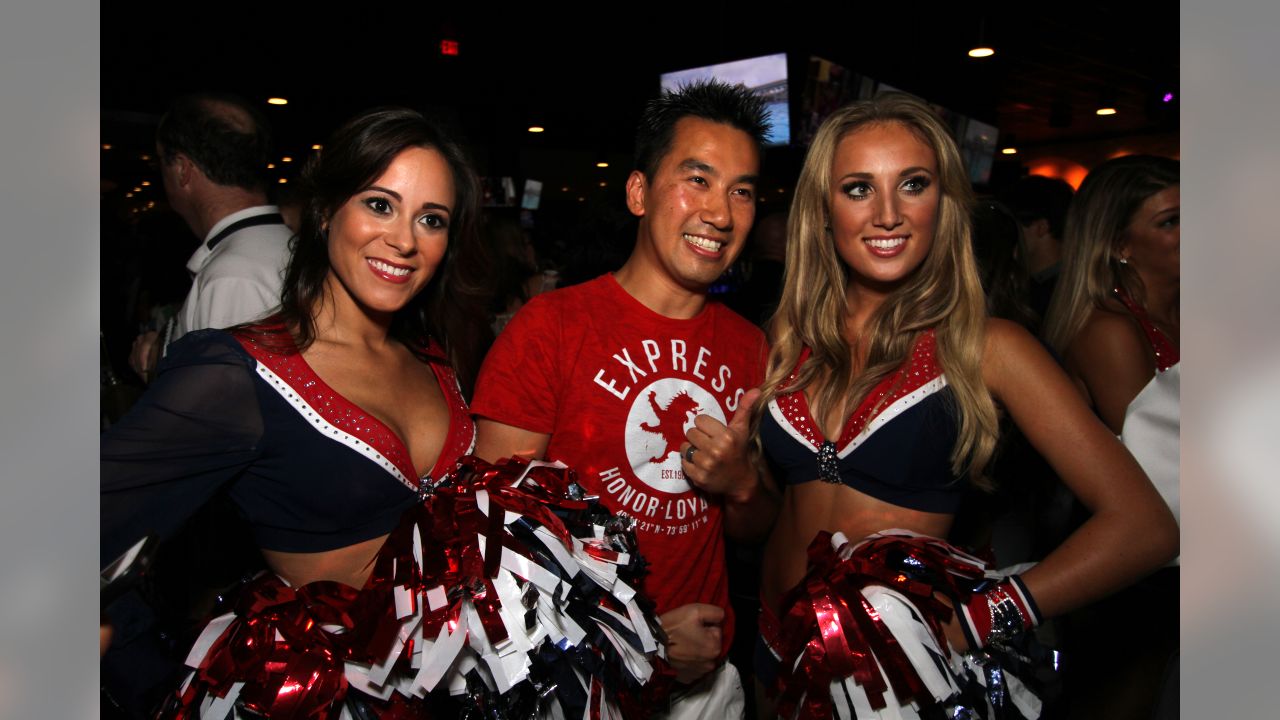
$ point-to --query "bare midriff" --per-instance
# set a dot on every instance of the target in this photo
(350, 565)
(811, 507)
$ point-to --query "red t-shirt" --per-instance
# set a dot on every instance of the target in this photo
(617, 386)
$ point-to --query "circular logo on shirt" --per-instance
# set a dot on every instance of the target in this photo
(660, 416)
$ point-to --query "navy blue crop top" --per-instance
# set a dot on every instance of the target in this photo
(307, 469)
(896, 446)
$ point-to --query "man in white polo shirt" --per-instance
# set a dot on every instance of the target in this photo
(213, 151)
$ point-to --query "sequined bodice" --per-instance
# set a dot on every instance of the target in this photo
(896, 445)
(307, 469)
(1161, 346)
(345, 422)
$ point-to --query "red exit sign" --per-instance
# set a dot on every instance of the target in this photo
(448, 47)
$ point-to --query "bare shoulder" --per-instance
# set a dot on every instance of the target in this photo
(1007, 342)
(1112, 361)
(1108, 337)
(1001, 333)
(1013, 357)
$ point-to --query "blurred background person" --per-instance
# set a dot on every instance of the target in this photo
(998, 250)
(1040, 205)
(213, 150)
(1114, 319)
(514, 273)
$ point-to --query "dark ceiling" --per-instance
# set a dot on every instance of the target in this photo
(584, 74)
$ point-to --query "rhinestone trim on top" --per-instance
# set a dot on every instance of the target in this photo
(330, 413)
(919, 378)
(1163, 348)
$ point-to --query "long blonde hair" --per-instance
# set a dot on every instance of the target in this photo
(1092, 239)
(944, 293)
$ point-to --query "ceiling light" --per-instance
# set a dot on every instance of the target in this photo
(277, 101)
(286, 158)
(1107, 101)
(146, 183)
(981, 49)
(283, 181)
(106, 146)
(1009, 151)
(271, 166)
(536, 129)
(316, 146)
(602, 164)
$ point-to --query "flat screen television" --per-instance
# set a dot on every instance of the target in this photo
(765, 76)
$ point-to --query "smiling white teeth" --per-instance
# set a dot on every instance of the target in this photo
(389, 269)
(704, 243)
(885, 243)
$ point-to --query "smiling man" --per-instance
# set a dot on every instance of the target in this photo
(642, 385)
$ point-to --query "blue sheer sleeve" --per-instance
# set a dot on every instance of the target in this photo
(197, 427)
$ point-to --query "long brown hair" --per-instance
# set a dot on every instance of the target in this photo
(943, 294)
(1091, 269)
(450, 307)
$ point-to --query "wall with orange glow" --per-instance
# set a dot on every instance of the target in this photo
(1072, 161)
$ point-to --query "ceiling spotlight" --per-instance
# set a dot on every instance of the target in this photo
(277, 101)
(1107, 101)
(603, 184)
(564, 189)
(602, 164)
(128, 195)
(146, 158)
(106, 146)
(137, 189)
(146, 183)
(536, 129)
(1009, 151)
(316, 146)
(286, 158)
(271, 166)
(283, 181)
(981, 49)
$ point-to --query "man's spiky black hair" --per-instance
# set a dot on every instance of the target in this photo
(713, 100)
